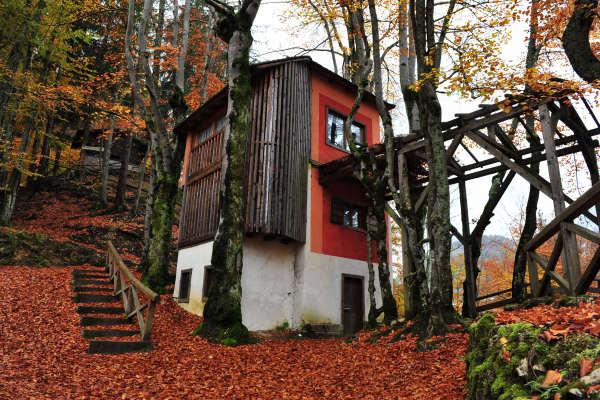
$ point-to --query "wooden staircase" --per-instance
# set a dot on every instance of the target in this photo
(108, 297)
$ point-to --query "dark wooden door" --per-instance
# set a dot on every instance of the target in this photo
(352, 304)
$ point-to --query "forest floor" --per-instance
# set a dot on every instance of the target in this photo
(43, 355)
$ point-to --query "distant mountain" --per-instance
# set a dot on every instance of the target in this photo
(492, 246)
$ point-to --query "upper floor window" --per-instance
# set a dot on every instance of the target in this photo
(208, 131)
(335, 131)
(348, 215)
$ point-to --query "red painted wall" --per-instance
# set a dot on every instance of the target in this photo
(325, 237)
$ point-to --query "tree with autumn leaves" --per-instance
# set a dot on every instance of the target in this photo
(473, 47)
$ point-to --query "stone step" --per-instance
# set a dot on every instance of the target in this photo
(111, 347)
(104, 321)
(104, 333)
(99, 310)
(94, 298)
(80, 289)
(82, 282)
(90, 276)
(97, 270)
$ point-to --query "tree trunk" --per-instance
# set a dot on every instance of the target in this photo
(576, 41)
(107, 146)
(529, 228)
(222, 312)
(144, 262)
(57, 154)
(120, 197)
(499, 185)
(142, 172)
(84, 142)
(373, 312)
(438, 216)
(14, 180)
(530, 224)
(156, 275)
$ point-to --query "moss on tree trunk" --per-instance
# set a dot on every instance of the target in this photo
(223, 309)
(156, 275)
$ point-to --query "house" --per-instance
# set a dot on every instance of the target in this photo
(92, 149)
(305, 245)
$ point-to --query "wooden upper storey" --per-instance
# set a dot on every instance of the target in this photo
(277, 155)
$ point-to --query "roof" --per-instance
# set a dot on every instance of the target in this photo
(219, 100)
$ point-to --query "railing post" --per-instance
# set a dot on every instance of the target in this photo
(148, 324)
(125, 283)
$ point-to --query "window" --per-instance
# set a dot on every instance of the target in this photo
(335, 131)
(220, 125)
(184, 285)
(208, 131)
(205, 134)
(348, 215)
(209, 276)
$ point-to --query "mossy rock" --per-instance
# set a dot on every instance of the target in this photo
(500, 361)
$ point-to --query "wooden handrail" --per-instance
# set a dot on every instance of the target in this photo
(128, 286)
(139, 285)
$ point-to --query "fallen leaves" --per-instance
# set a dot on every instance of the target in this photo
(585, 367)
(553, 377)
(584, 317)
(555, 333)
(44, 356)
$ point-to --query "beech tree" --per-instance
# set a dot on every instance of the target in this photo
(168, 148)
(576, 40)
(223, 309)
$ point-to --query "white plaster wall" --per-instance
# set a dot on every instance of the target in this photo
(322, 287)
(267, 281)
(196, 257)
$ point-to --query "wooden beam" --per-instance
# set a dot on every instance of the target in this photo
(570, 256)
(534, 179)
(469, 306)
(583, 232)
(422, 198)
(584, 202)
(469, 152)
(533, 273)
(564, 284)
(551, 265)
(505, 140)
(589, 275)
(495, 304)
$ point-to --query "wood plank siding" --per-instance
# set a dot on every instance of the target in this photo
(277, 159)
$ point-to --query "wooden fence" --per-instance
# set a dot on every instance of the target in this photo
(129, 287)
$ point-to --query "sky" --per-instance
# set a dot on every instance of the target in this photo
(272, 35)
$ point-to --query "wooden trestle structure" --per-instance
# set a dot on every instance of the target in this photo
(484, 129)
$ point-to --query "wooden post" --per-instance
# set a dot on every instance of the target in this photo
(470, 288)
(570, 256)
(534, 279)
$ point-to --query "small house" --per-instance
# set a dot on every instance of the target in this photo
(305, 245)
